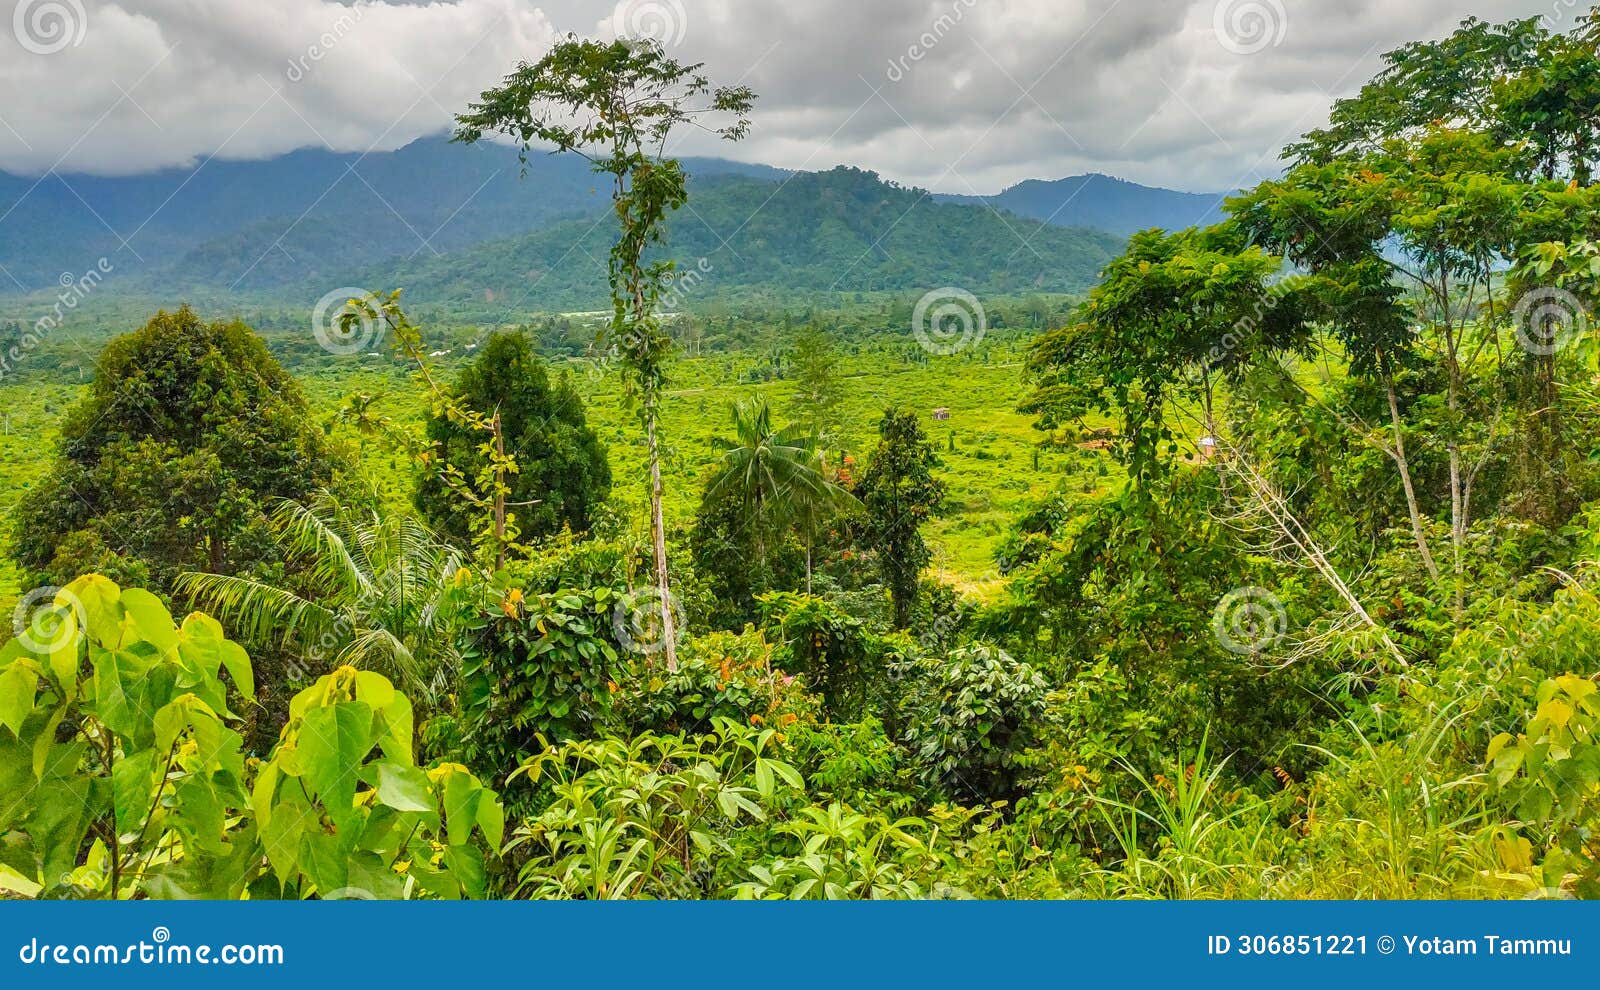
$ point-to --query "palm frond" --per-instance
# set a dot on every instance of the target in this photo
(261, 609)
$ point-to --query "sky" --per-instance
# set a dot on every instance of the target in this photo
(963, 96)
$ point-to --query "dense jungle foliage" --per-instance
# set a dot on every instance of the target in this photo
(1267, 569)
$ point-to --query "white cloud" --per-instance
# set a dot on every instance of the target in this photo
(971, 94)
(167, 82)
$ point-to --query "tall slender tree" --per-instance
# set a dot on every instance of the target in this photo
(616, 104)
(818, 392)
(899, 493)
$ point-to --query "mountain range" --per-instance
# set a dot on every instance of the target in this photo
(479, 229)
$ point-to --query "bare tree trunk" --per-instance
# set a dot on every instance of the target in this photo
(1398, 454)
(1458, 527)
(658, 536)
(1284, 521)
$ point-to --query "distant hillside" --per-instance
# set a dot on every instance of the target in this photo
(252, 225)
(1104, 203)
(845, 230)
(463, 225)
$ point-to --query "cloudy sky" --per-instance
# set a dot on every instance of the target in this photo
(953, 95)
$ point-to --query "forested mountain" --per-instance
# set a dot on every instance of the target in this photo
(843, 230)
(278, 226)
(251, 225)
(1104, 203)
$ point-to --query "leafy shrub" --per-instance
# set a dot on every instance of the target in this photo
(856, 763)
(972, 720)
(536, 666)
(720, 675)
(122, 776)
(322, 831)
(845, 855)
(1549, 776)
(827, 646)
(654, 816)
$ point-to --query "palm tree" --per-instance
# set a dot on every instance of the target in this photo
(376, 591)
(776, 475)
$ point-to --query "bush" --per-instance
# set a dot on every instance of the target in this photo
(536, 669)
(655, 816)
(972, 718)
(826, 645)
(123, 777)
(719, 676)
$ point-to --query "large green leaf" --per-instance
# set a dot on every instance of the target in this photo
(99, 601)
(147, 618)
(18, 686)
(402, 788)
(333, 742)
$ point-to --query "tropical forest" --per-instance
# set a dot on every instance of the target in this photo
(671, 526)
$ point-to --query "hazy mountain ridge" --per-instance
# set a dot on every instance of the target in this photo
(844, 230)
(471, 225)
(1103, 202)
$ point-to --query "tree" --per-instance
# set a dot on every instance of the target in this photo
(562, 472)
(818, 391)
(724, 546)
(616, 104)
(360, 413)
(899, 493)
(1171, 317)
(773, 479)
(188, 432)
(1516, 83)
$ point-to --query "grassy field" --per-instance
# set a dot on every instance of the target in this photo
(992, 467)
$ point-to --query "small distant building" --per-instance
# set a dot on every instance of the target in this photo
(1209, 445)
(941, 414)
